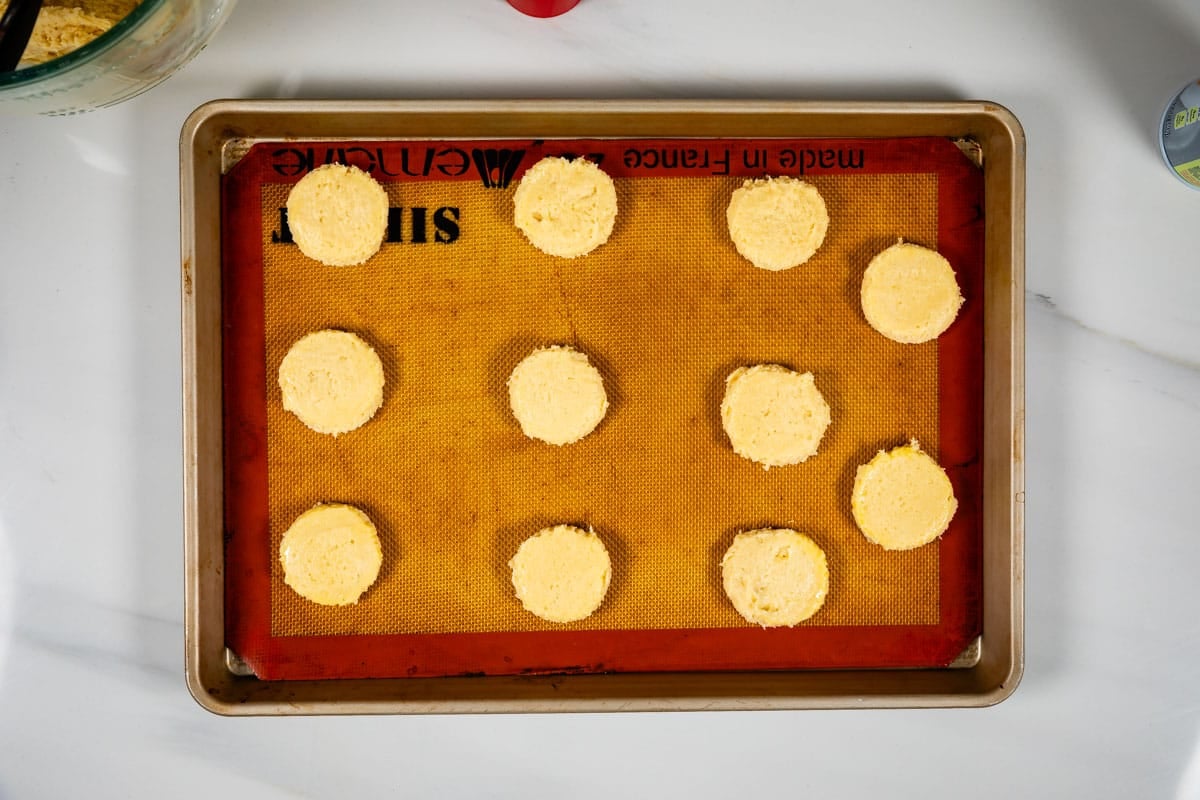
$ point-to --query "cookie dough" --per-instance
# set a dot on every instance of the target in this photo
(556, 395)
(65, 26)
(775, 576)
(777, 223)
(909, 293)
(772, 415)
(561, 574)
(331, 554)
(338, 215)
(565, 208)
(902, 499)
(332, 381)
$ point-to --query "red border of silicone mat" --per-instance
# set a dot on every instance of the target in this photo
(247, 536)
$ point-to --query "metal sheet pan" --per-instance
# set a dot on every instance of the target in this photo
(218, 133)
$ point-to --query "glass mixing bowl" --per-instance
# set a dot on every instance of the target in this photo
(140, 51)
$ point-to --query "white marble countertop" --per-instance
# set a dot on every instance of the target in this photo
(92, 697)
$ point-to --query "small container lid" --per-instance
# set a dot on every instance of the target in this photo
(1179, 135)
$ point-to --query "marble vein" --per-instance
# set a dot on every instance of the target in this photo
(1048, 303)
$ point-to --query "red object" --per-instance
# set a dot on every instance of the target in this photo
(543, 8)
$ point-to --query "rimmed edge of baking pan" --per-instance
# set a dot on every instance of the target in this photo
(997, 669)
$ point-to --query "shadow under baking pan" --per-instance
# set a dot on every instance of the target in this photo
(1052, 570)
(550, 87)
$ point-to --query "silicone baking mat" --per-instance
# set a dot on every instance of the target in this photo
(666, 309)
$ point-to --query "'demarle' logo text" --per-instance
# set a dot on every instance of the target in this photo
(494, 166)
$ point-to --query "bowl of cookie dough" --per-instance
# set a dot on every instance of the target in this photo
(88, 54)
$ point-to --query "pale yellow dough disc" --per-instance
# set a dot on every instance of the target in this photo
(332, 381)
(772, 415)
(775, 576)
(777, 223)
(565, 208)
(561, 574)
(556, 395)
(338, 215)
(902, 499)
(909, 293)
(331, 554)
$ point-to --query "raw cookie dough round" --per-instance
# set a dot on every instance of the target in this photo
(332, 381)
(338, 215)
(562, 573)
(331, 554)
(556, 395)
(902, 499)
(777, 223)
(773, 415)
(775, 576)
(909, 293)
(565, 208)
